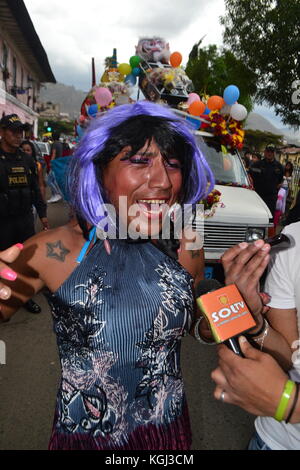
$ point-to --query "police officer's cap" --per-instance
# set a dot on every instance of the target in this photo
(270, 148)
(13, 122)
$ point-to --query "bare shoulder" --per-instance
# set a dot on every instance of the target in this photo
(44, 243)
(48, 259)
(50, 254)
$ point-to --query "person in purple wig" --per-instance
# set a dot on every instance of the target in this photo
(134, 126)
(120, 303)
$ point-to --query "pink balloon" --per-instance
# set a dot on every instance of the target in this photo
(193, 97)
(103, 96)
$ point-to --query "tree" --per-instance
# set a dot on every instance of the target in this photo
(212, 70)
(265, 36)
(62, 127)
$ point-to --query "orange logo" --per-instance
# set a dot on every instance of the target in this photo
(224, 300)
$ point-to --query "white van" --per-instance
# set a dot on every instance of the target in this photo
(242, 216)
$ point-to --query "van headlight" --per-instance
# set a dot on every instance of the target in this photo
(253, 234)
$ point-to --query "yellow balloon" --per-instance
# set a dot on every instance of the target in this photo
(125, 69)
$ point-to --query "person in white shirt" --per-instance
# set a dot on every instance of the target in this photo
(256, 382)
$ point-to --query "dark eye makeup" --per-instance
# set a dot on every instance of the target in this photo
(143, 159)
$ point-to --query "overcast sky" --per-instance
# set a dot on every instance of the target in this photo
(74, 31)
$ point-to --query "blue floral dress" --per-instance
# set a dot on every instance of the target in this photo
(119, 320)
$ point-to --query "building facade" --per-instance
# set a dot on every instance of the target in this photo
(24, 65)
(290, 154)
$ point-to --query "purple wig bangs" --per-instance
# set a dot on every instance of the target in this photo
(85, 190)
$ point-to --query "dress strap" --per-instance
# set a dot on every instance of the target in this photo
(92, 239)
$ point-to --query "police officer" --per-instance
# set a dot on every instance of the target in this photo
(267, 175)
(19, 189)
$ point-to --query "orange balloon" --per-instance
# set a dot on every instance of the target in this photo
(175, 59)
(197, 108)
(215, 102)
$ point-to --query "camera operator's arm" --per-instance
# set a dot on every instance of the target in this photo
(254, 383)
(244, 264)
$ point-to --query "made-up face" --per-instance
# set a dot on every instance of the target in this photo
(11, 139)
(150, 182)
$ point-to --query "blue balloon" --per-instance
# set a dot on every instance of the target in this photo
(231, 94)
(130, 79)
(194, 123)
(93, 110)
(207, 110)
(136, 71)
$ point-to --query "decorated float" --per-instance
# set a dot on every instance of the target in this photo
(162, 79)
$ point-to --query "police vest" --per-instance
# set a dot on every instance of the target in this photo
(16, 173)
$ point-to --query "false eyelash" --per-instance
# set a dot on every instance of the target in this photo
(126, 157)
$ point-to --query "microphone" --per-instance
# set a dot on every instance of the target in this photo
(225, 311)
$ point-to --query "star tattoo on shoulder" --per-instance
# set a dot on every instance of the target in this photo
(57, 251)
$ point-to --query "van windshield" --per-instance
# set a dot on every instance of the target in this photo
(226, 167)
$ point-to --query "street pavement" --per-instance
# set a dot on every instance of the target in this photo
(29, 380)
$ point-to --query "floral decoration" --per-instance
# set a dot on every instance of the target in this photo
(211, 202)
(230, 131)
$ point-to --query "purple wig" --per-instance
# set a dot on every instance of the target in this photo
(85, 187)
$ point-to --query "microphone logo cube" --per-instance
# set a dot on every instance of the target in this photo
(226, 312)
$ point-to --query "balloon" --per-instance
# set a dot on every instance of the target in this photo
(196, 108)
(130, 79)
(238, 112)
(195, 124)
(175, 59)
(93, 110)
(103, 96)
(215, 102)
(135, 61)
(136, 71)
(124, 69)
(193, 97)
(206, 111)
(231, 94)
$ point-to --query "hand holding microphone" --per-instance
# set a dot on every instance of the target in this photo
(225, 311)
(243, 265)
(242, 382)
